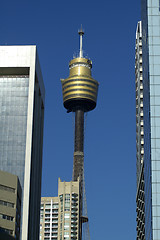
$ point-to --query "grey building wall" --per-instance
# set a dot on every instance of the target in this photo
(21, 121)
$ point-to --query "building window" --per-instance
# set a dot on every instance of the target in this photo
(66, 215)
(9, 218)
(67, 209)
(54, 234)
(9, 189)
(47, 225)
(47, 210)
(42, 206)
(47, 220)
(61, 226)
(67, 196)
(66, 226)
(67, 202)
(55, 205)
(8, 231)
(48, 205)
(47, 234)
(61, 201)
(55, 225)
(8, 204)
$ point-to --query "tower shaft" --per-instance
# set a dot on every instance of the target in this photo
(78, 145)
(78, 161)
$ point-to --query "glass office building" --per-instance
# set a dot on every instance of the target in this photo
(150, 13)
(21, 128)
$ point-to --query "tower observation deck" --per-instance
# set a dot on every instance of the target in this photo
(79, 96)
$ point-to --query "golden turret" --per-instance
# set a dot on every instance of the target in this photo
(80, 89)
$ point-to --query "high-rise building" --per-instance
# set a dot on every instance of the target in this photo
(59, 218)
(21, 128)
(151, 115)
(10, 204)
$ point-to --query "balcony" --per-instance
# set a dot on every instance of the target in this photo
(74, 213)
(73, 236)
(74, 227)
(74, 204)
(73, 222)
(73, 218)
(74, 208)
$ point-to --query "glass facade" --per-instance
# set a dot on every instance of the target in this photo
(151, 76)
(13, 122)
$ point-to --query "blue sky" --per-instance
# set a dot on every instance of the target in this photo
(110, 150)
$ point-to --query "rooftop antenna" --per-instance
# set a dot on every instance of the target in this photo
(81, 33)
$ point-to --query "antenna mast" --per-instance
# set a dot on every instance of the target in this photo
(81, 33)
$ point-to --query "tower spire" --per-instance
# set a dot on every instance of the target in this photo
(81, 33)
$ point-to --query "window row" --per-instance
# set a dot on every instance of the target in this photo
(53, 225)
(48, 234)
(9, 231)
(48, 205)
(48, 210)
(9, 189)
(8, 204)
(9, 218)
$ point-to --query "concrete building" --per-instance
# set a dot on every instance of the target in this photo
(21, 128)
(150, 14)
(139, 134)
(60, 215)
(10, 204)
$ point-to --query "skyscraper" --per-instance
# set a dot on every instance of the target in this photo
(21, 128)
(139, 134)
(151, 116)
(59, 217)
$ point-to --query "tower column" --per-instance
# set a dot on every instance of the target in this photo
(78, 145)
(78, 161)
(79, 131)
